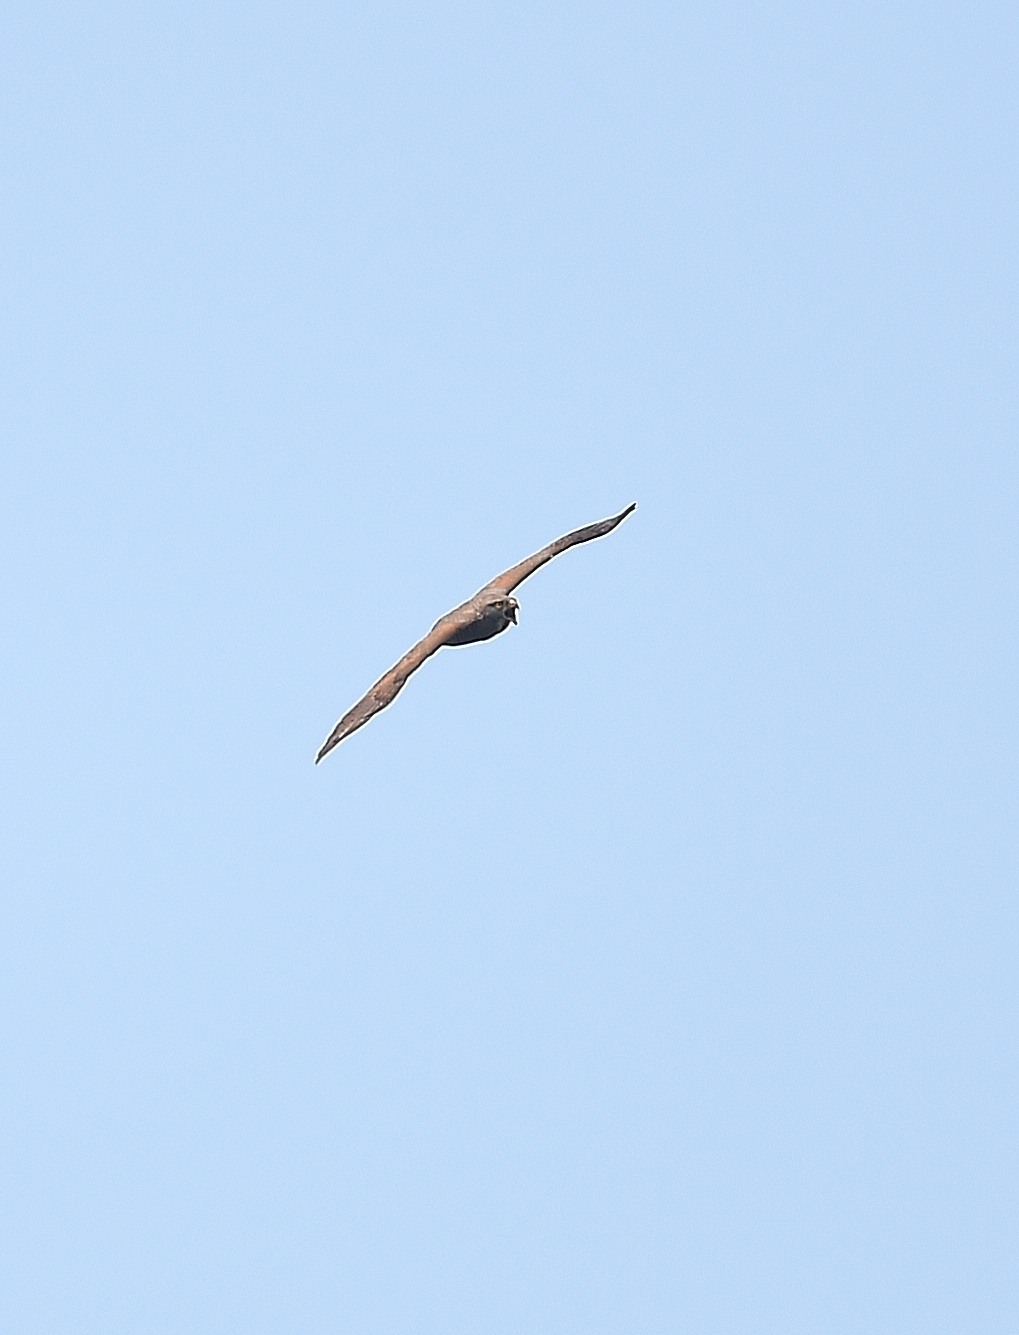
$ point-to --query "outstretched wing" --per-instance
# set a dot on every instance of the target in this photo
(509, 579)
(387, 688)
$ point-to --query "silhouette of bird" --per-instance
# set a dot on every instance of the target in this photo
(488, 613)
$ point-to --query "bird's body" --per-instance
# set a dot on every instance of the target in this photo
(487, 614)
(487, 619)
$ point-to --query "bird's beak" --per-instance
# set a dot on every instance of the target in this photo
(513, 614)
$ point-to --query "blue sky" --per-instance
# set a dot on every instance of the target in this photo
(653, 966)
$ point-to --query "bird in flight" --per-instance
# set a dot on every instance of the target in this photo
(488, 613)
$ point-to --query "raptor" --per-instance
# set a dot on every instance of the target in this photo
(488, 613)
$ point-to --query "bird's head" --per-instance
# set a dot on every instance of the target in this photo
(507, 606)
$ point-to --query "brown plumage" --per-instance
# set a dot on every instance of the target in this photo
(488, 613)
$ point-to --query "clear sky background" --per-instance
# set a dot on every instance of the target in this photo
(653, 967)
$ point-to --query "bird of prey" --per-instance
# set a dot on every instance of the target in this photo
(488, 613)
